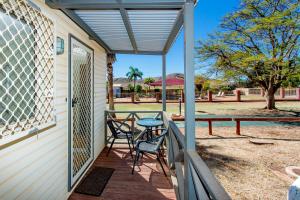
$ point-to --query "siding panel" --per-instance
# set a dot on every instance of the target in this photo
(37, 168)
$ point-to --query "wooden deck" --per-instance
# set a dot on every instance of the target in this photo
(148, 181)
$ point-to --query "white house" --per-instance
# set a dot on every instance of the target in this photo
(35, 141)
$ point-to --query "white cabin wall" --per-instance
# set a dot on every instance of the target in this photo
(37, 167)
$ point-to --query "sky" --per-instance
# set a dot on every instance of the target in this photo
(208, 15)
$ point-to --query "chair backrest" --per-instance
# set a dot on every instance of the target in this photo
(112, 128)
(161, 139)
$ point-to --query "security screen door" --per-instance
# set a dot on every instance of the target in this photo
(81, 109)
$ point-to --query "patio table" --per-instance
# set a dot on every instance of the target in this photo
(149, 124)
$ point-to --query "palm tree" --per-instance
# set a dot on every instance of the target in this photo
(133, 75)
(111, 58)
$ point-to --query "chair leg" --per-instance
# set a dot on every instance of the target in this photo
(135, 161)
(162, 157)
(129, 146)
(112, 143)
(132, 141)
(161, 165)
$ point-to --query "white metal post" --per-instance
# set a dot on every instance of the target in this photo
(189, 92)
(164, 87)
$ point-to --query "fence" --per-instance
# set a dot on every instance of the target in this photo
(257, 91)
(131, 117)
(290, 92)
(147, 96)
(246, 95)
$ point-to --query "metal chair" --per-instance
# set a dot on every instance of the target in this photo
(152, 146)
(120, 133)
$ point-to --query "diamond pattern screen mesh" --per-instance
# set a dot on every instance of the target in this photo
(26, 68)
(82, 106)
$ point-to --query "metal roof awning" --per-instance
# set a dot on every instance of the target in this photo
(127, 26)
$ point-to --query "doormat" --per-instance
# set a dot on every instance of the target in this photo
(95, 182)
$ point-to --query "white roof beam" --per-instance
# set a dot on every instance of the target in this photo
(175, 31)
(128, 27)
(109, 5)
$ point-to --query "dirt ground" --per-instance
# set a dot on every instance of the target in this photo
(247, 170)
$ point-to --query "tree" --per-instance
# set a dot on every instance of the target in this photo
(138, 89)
(148, 81)
(133, 75)
(260, 41)
(111, 58)
(130, 87)
(199, 81)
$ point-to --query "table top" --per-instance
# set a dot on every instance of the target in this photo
(150, 122)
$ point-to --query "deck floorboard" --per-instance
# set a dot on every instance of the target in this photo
(148, 181)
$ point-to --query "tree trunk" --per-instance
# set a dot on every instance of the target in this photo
(134, 82)
(270, 98)
(110, 86)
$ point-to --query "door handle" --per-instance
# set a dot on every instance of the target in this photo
(74, 102)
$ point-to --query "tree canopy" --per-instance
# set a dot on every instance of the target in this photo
(134, 74)
(149, 80)
(259, 41)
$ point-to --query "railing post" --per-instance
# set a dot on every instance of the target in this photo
(238, 95)
(170, 148)
(209, 127)
(132, 122)
(238, 127)
(189, 91)
(164, 92)
(209, 94)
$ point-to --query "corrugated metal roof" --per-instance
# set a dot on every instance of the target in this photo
(109, 26)
(152, 1)
(151, 28)
(127, 26)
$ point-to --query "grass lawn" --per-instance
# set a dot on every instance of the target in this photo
(232, 108)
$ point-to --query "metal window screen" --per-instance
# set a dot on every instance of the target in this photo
(82, 90)
(26, 68)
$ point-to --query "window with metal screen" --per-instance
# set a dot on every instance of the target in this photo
(26, 69)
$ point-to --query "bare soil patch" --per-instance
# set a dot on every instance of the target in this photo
(247, 170)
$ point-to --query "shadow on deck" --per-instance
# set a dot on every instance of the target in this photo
(148, 181)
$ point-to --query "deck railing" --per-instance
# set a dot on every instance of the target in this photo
(205, 185)
(130, 117)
